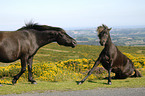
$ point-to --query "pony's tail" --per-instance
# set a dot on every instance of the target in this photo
(137, 74)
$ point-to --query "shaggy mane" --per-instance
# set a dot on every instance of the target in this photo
(101, 28)
(38, 27)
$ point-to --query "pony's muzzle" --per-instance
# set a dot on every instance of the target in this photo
(74, 43)
(102, 43)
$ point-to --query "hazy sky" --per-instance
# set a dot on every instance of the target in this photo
(71, 13)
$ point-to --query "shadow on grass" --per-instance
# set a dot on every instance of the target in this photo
(91, 81)
(29, 83)
(6, 84)
(97, 82)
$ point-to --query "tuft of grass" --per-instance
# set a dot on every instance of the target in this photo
(42, 86)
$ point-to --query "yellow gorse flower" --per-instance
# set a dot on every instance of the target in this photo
(72, 69)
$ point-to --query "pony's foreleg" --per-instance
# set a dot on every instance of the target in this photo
(90, 72)
(109, 77)
(30, 79)
(23, 69)
(109, 72)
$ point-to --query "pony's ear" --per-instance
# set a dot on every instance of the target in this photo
(109, 29)
(104, 25)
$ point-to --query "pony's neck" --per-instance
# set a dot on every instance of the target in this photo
(109, 43)
(44, 38)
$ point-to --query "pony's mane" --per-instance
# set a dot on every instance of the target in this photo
(101, 28)
(38, 27)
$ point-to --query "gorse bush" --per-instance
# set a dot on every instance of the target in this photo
(72, 69)
(54, 72)
(139, 61)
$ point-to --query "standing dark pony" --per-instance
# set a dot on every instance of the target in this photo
(112, 59)
(25, 42)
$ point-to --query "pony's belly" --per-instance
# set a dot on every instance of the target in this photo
(7, 57)
(8, 54)
(7, 60)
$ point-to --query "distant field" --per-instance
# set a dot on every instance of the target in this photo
(119, 36)
(54, 52)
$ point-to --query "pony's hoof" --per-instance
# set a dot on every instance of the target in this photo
(14, 81)
(33, 82)
(81, 82)
(109, 83)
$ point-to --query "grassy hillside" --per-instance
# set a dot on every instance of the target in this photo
(51, 67)
(54, 52)
(53, 59)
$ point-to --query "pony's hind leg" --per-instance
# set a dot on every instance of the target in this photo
(30, 79)
(18, 75)
(23, 69)
(137, 74)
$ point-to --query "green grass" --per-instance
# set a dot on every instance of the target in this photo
(53, 53)
(42, 86)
